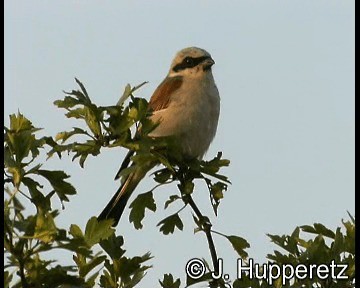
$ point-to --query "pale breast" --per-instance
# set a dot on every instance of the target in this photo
(191, 117)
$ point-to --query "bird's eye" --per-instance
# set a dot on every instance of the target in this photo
(189, 60)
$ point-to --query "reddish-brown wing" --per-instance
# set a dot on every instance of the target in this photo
(161, 97)
(159, 100)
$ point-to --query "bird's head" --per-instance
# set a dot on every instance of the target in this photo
(191, 62)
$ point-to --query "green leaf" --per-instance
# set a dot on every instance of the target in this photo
(134, 114)
(186, 187)
(82, 87)
(77, 245)
(138, 86)
(106, 280)
(77, 113)
(126, 94)
(96, 231)
(34, 169)
(138, 206)
(45, 229)
(349, 238)
(162, 175)
(20, 122)
(37, 197)
(292, 242)
(112, 246)
(20, 140)
(55, 277)
(172, 199)
(16, 175)
(351, 218)
(63, 136)
(92, 118)
(138, 109)
(147, 126)
(67, 102)
(119, 123)
(318, 252)
(168, 281)
(20, 143)
(56, 179)
(288, 243)
(217, 190)
(321, 229)
(81, 97)
(130, 270)
(143, 158)
(337, 247)
(239, 244)
(83, 150)
(9, 158)
(86, 267)
(213, 166)
(308, 228)
(91, 279)
(318, 228)
(244, 281)
(7, 279)
(168, 224)
(206, 277)
(75, 231)
(163, 160)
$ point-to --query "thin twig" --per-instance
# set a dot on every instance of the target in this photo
(22, 274)
(206, 225)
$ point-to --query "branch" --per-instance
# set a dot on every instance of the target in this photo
(22, 274)
(206, 227)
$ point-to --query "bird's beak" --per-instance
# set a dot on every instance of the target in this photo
(208, 62)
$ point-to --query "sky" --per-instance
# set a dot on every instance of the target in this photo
(285, 71)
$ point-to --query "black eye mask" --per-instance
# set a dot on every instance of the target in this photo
(189, 62)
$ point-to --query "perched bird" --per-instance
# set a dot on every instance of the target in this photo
(186, 105)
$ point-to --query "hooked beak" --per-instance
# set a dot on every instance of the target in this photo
(208, 62)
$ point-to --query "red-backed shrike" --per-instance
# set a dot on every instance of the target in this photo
(186, 105)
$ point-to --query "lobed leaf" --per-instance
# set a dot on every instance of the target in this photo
(138, 206)
(168, 224)
(96, 231)
(239, 244)
(168, 281)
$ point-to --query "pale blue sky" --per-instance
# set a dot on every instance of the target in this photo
(285, 72)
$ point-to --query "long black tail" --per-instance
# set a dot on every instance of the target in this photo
(117, 204)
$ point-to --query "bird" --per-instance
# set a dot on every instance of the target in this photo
(186, 106)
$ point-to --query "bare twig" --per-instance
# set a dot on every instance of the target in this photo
(21, 272)
(206, 227)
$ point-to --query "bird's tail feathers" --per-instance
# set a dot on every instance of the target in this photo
(117, 204)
